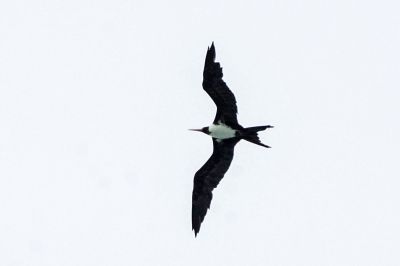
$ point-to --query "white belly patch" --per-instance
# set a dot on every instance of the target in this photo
(221, 131)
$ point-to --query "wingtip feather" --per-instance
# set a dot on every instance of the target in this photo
(210, 56)
(211, 48)
(196, 230)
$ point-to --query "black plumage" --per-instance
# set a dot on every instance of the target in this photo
(208, 177)
(210, 174)
(219, 91)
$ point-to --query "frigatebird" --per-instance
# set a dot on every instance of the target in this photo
(225, 131)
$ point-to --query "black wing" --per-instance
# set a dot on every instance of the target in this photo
(219, 91)
(208, 177)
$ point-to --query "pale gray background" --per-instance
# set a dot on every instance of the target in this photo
(96, 164)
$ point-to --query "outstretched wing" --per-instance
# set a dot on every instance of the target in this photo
(219, 91)
(208, 177)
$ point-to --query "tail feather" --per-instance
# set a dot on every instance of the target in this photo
(250, 134)
(256, 129)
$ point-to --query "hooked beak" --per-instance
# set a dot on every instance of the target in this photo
(196, 130)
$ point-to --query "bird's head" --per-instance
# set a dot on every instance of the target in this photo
(204, 130)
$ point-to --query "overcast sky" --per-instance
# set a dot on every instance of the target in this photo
(97, 165)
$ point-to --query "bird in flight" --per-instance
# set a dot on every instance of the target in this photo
(225, 131)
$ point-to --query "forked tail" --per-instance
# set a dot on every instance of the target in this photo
(250, 134)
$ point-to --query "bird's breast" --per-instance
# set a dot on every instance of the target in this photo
(221, 131)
